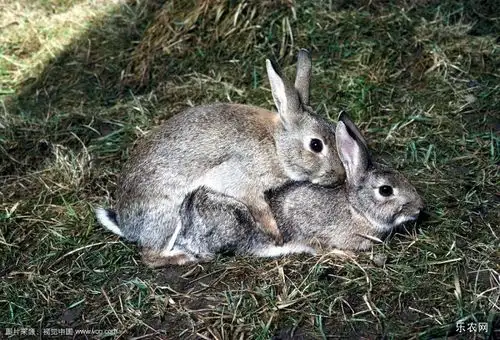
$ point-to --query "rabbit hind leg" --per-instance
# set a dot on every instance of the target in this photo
(157, 259)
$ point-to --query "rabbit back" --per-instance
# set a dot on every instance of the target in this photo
(189, 144)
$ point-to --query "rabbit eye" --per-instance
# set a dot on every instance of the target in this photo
(385, 190)
(316, 145)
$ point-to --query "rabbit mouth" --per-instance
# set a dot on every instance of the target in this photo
(406, 218)
(296, 173)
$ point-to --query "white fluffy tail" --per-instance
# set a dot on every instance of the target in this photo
(107, 219)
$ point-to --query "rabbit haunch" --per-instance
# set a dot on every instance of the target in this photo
(236, 150)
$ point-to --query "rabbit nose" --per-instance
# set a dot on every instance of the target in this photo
(413, 210)
(418, 204)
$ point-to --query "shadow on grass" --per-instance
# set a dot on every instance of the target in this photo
(91, 68)
(122, 55)
(58, 106)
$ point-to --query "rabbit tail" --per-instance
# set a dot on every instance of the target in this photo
(108, 220)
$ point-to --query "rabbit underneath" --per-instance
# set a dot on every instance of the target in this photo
(236, 150)
(312, 218)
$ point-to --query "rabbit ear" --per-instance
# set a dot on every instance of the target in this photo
(303, 77)
(285, 96)
(344, 117)
(353, 153)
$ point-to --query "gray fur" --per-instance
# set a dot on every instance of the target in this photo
(311, 218)
(236, 150)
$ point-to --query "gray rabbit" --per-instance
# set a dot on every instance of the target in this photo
(235, 150)
(373, 200)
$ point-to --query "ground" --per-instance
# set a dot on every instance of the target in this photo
(81, 81)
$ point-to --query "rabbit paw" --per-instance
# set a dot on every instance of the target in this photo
(157, 259)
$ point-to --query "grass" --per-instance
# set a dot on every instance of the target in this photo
(82, 80)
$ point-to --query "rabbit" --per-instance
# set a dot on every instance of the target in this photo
(237, 150)
(312, 218)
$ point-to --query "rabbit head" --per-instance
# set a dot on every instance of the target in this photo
(383, 195)
(305, 142)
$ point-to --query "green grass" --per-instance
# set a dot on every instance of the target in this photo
(81, 81)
